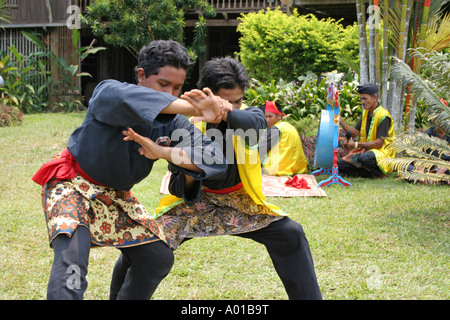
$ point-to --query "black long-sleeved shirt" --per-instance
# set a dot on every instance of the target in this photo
(249, 124)
(98, 146)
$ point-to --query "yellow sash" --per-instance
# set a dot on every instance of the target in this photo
(379, 114)
(287, 156)
(249, 168)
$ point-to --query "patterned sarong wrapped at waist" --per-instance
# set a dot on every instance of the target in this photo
(62, 167)
(113, 217)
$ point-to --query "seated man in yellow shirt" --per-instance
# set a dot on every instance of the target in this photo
(280, 148)
(376, 129)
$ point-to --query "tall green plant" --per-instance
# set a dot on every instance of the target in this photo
(3, 17)
(65, 71)
(134, 23)
(21, 74)
(274, 45)
(28, 82)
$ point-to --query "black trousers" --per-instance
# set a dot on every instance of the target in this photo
(369, 167)
(288, 248)
(70, 266)
(291, 256)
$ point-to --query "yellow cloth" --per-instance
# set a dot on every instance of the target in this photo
(287, 156)
(249, 168)
(379, 114)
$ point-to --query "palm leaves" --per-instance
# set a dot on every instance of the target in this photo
(3, 17)
(437, 66)
(438, 33)
(420, 146)
(406, 24)
(424, 153)
(419, 149)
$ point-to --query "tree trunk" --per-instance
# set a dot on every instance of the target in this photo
(424, 24)
(416, 62)
(364, 72)
(412, 116)
(403, 31)
(405, 57)
(399, 94)
(377, 44)
(371, 44)
(413, 44)
(384, 91)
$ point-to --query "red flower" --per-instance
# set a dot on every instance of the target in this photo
(105, 227)
(127, 236)
(105, 199)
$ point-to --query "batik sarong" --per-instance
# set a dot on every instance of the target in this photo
(214, 215)
(113, 217)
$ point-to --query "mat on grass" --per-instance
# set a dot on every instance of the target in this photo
(274, 186)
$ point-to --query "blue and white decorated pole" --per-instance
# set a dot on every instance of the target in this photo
(326, 154)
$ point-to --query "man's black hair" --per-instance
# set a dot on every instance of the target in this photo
(161, 53)
(223, 73)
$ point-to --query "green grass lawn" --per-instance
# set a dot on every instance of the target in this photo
(380, 239)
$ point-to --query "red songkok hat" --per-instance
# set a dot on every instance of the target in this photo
(271, 107)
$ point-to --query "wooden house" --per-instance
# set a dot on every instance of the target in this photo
(54, 19)
(46, 17)
(337, 9)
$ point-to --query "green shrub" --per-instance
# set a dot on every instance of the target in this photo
(274, 45)
(307, 99)
(28, 84)
(306, 126)
(304, 98)
(349, 100)
(10, 115)
(22, 75)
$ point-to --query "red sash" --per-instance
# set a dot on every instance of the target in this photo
(63, 168)
(224, 191)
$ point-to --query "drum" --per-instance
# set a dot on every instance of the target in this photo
(323, 157)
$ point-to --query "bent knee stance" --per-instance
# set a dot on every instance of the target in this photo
(156, 258)
(149, 265)
(71, 257)
(292, 259)
(292, 236)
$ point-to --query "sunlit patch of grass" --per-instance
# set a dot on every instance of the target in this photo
(379, 239)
